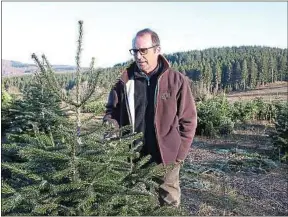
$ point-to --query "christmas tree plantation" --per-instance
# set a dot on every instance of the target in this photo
(58, 165)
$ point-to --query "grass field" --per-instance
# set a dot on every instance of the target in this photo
(271, 92)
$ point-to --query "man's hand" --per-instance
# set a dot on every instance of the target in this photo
(111, 124)
(179, 161)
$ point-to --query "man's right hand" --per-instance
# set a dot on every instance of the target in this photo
(114, 126)
(110, 123)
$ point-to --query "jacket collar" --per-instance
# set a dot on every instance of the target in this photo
(129, 72)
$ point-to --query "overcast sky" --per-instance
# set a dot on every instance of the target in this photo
(51, 28)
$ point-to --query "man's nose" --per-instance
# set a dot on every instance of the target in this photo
(138, 55)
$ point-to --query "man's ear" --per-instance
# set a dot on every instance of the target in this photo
(158, 50)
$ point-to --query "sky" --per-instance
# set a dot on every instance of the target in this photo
(51, 28)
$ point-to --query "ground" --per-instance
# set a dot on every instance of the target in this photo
(270, 92)
(235, 175)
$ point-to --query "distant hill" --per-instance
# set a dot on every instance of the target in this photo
(212, 70)
(12, 68)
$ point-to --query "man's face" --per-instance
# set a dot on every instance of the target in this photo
(147, 61)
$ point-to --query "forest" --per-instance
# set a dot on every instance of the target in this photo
(213, 70)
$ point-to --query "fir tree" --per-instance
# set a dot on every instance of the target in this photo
(244, 74)
(7, 101)
(283, 68)
(252, 73)
(272, 69)
(37, 110)
(279, 135)
(216, 76)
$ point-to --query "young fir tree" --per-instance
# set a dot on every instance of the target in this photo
(280, 134)
(6, 103)
(79, 172)
(35, 107)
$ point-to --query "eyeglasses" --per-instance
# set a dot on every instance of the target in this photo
(142, 51)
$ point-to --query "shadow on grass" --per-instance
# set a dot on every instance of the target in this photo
(252, 126)
(238, 144)
(220, 168)
(254, 139)
(256, 166)
(218, 201)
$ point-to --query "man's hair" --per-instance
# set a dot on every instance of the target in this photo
(154, 36)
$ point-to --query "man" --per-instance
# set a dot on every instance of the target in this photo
(157, 101)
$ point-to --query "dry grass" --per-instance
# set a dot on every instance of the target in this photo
(205, 210)
(234, 176)
(272, 92)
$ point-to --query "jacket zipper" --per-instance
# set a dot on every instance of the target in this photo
(148, 81)
(147, 78)
(147, 89)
